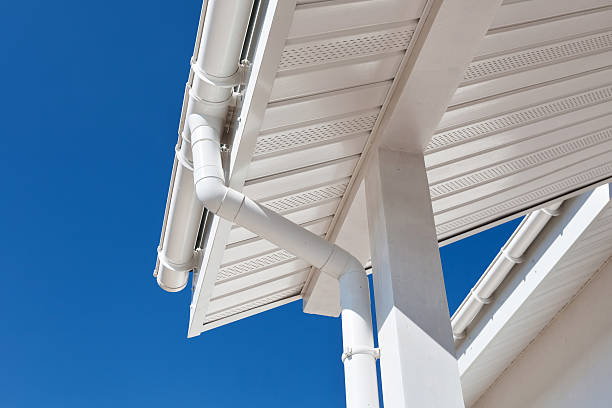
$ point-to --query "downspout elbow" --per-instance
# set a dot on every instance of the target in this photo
(219, 199)
(208, 175)
(340, 263)
(210, 191)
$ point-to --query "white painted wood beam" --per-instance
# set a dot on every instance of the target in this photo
(447, 38)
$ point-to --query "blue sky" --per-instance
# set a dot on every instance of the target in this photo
(91, 96)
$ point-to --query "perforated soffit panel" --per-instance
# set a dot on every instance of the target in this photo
(531, 121)
(332, 80)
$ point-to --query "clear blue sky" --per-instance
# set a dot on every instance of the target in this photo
(91, 96)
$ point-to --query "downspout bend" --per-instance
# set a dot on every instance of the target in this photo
(341, 262)
(227, 203)
(208, 176)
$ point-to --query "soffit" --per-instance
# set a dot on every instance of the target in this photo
(529, 122)
(334, 75)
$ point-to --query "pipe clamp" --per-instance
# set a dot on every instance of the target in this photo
(511, 258)
(351, 351)
(173, 266)
(481, 300)
(552, 213)
(237, 79)
(459, 336)
(180, 156)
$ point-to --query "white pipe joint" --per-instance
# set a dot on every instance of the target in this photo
(341, 262)
(208, 173)
(207, 170)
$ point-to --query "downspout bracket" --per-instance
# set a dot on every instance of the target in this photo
(238, 78)
(511, 258)
(481, 300)
(552, 213)
(351, 351)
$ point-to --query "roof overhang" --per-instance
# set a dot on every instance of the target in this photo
(510, 103)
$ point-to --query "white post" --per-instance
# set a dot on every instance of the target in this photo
(359, 355)
(417, 354)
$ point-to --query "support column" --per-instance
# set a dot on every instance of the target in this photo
(417, 353)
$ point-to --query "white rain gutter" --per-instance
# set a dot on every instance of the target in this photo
(215, 70)
(509, 255)
(199, 182)
(359, 355)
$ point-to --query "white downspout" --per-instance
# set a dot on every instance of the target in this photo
(359, 357)
(359, 354)
(509, 255)
(214, 69)
(199, 181)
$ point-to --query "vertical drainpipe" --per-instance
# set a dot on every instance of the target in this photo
(215, 68)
